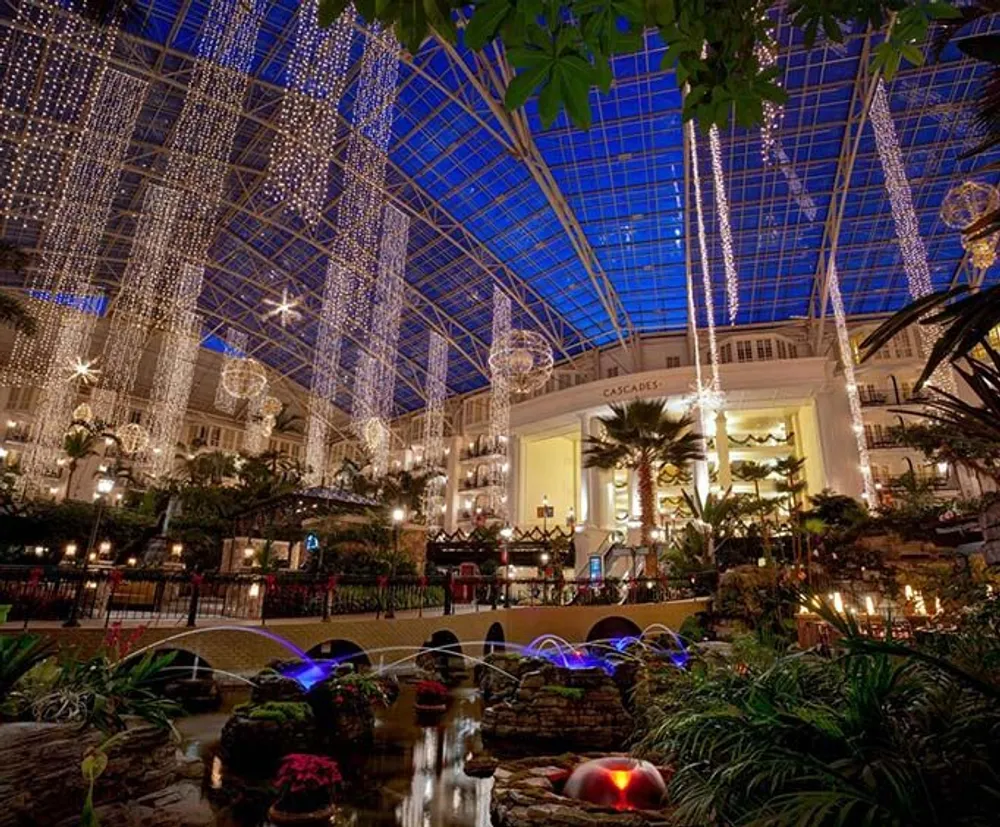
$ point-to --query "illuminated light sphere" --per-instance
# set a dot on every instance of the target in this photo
(962, 207)
(622, 783)
(271, 406)
(526, 361)
(133, 438)
(244, 378)
(83, 412)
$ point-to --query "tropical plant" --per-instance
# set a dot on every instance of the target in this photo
(287, 422)
(19, 654)
(755, 472)
(563, 48)
(643, 437)
(884, 734)
(280, 712)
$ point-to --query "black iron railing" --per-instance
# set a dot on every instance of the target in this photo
(72, 595)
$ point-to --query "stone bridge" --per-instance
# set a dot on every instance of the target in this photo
(244, 649)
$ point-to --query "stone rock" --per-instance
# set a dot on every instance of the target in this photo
(180, 805)
(481, 765)
(269, 685)
(258, 745)
(342, 718)
(40, 778)
(540, 715)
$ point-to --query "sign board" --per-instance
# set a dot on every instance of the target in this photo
(544, 511)
(312, 542)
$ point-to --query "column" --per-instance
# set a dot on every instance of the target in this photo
(453, 449)
(514, 465)
(722, 450)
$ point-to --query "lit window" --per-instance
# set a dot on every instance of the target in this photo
(726, 354)
(612, 372)
(765, 352)
(744, 350)
(673, 362)
(782, 349)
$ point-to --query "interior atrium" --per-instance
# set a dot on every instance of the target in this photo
(507, 358)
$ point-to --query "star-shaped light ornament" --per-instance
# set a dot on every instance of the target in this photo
(285, 309)
(84, 372)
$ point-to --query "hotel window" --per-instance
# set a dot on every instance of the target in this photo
(213, 437)
(782, 349)
(726, 353)
(228, 439)
(565, 380)
(673, 362)
(744, 350)
(135, 417)
(21, 399)
(612, 372)
(765, 353)
(793, 351)
(902, 346)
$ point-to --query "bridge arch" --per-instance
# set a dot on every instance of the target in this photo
(613, 627)
(495, 639)
(342, 651)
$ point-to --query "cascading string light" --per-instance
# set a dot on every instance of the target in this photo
(351, 270)
(139, 301)
(853, 396)
(52, 58)
(171, 390)
(435, 390)
(766, 52)
(725, 230)
(234, 347)
(706, 279)
(256, 431)
(307, 121)
(499, 404)
(911, 243)
(73, 235)
(359, 210)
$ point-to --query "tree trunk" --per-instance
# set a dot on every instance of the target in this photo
(647, 514)
(69, 478)
(989, 521)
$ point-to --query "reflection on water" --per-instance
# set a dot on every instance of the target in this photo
(412, 775)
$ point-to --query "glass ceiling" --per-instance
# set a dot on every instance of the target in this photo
(585, 229)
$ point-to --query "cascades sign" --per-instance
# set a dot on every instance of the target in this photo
(632, 389)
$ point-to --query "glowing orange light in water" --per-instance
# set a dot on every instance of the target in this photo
(621, 778)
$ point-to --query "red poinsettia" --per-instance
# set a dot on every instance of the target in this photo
(306, 782)
(431, 693)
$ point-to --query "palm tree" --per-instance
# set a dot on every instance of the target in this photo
(755, 472)
(287, 422)
(643, 437)
(82, 440)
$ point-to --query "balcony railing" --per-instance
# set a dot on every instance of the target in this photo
(38, 595)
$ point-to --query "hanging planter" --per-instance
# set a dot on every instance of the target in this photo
(432, 698)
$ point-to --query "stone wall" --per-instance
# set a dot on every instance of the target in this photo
(541, 716)
(41, 782)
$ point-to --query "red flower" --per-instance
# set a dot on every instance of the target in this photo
(432, 692)
(304, 773)
(338, 699)
(422, 581)
(331, 583)
(115, 577)
(383, 581)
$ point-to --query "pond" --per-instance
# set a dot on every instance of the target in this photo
(412, 775)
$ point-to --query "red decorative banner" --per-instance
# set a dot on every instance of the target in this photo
(331, 583)
(422, 582)
(115, 577)
(34, 577)
(383, 581)
(197, 579)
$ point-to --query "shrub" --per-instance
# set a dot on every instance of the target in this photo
(573, 693)
(281, 712)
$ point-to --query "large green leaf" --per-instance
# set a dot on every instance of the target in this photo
(523, 84)
(330, 10)
(486, 22)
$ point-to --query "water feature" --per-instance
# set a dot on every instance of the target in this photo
(411, 777)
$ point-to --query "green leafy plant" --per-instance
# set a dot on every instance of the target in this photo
(280, 712)
(573, 693)
(19, 654)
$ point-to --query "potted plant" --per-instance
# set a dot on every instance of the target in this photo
(432, 696)
(306, 785)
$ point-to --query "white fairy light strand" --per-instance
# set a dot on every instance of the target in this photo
(359, 210)
(256, 431)
(171, 391)
(388, 306)
(911, 243)
(706, 279)
(307, 121)
(767, 58)
(853, 396)
(499, 404)
(234, 347)
(725, 230)
(139, 301)
(52, 59)
(72, 238)
(435, 390)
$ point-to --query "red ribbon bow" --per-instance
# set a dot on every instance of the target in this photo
(271, 582)
(383, 581)
(331, 583)
(422, 581)
(115, 577)
(197, 579)
(34, 576)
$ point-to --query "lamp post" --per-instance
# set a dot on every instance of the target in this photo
(545, 514)
(506, 533)
(105, 485)
(398, 515)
